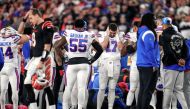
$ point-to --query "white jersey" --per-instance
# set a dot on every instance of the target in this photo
(56, 37)
(112, 51)
(9, 46)
(78, 43)
(133, 38)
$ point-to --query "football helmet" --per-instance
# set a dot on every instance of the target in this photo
(41, 78)
(8, 31)
(2, 32)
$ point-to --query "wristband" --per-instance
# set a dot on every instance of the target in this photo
(45, 54)
(24, 20)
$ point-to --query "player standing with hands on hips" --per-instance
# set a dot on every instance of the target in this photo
(78, 42)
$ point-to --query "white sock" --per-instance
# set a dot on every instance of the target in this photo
(80, 106)
(74, 106)
(15, 106)
(52, 107)
(86, 99)
(153, 100)
(110, 107)
(33, 106)
(130, 98)
(100, 98)
(111, 97)
(174, 102)
(65, 106)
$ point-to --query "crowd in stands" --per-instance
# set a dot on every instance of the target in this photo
(97, 13)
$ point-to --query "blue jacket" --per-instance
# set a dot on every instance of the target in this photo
(187, 64)
(148, 52)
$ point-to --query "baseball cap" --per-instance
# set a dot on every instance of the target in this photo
(167, 21)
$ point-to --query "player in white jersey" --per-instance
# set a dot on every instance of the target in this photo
(78, 68)
(134, 73)
(109, 65)
(9, 41)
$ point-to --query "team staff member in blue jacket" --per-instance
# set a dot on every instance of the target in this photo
(148, 59)
(175, 53)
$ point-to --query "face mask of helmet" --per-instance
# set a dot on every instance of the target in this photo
(39, 80)
(8, 31)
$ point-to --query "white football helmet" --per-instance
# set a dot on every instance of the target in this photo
(9, 31)
(2, 32)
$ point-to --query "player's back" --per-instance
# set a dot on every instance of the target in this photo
(9, 47)
(78, 43)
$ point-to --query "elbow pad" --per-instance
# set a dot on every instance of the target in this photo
(97, 46)
(99, 51)
(130, 49)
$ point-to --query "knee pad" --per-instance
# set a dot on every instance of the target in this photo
(101, 90)
(132, 89)
(112, 87)
(111, 90)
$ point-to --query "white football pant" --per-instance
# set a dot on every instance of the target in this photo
(109, 74)
(79, 73)
(10, 73)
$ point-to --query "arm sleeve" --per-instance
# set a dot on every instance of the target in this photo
(47, 27)
(99, 51)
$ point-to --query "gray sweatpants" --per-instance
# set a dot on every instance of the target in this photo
(186, 88)
(173, 84)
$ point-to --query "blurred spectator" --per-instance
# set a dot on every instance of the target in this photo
(123, 25)
(184, 25)
(98, 13)
(103, 23)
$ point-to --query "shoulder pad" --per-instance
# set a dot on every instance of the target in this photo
(93, 35)
(47, 25)
(63, 33)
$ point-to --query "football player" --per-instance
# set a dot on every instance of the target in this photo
(134, 74)
(78, 68)
(109, 65)
(9, 41)
(41, 45)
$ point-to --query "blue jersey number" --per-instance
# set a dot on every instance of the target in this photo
(82, 47)
(112, 47)
(8, 52)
